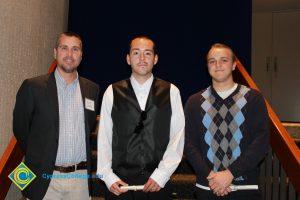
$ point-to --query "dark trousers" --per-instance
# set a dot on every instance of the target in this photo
(202, 194)
(164, 193)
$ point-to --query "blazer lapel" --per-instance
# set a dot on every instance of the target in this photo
(85, 94)
(53, 100)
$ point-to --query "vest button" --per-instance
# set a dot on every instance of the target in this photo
(142, 171)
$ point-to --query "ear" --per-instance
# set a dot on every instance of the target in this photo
(155, 59)
(234, 66)
(128, 59)
(54, 53)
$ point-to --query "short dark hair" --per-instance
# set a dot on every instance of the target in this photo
(224, 46)
(142, 37)
(69, 34)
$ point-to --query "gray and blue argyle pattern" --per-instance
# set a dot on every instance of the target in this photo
(223, 120)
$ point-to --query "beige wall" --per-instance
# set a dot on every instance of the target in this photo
(28, 31)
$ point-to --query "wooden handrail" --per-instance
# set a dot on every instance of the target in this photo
(281, 142)
(52, 67)
(12, 157)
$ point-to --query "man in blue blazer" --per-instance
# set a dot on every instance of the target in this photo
(52, 121)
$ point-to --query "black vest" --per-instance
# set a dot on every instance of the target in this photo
(140, 138)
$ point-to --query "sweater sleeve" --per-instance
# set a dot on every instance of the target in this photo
(193, 140)
(258, 144)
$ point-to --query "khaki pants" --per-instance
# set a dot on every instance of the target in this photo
(68, 186)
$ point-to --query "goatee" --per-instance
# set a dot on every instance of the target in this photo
(68, 70)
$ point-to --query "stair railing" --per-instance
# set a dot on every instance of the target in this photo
(281, 169)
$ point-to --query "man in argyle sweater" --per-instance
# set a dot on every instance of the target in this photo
(227, 132)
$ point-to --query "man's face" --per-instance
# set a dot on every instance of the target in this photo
(220, 64)
(141, 57)
(68, 54)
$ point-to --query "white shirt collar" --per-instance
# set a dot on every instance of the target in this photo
(62, 81)
(139, 87)
(225, 94)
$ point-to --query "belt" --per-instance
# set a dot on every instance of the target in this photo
(71, 168)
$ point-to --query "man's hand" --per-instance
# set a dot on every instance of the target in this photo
(151, 186)
(219, 182)
(115, 188)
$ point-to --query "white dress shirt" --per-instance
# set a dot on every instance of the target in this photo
(174, 151)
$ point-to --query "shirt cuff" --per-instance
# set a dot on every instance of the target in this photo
(110, 179)
(160, 177)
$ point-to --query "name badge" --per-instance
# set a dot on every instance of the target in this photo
(89, 104)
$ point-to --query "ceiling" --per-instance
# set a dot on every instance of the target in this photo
(274, 5)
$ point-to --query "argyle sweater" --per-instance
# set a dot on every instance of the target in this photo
(230, 133)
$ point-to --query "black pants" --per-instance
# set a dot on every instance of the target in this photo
(234, 195)
(164, 193)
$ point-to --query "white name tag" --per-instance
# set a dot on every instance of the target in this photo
(89, 104)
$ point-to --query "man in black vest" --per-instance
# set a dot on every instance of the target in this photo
(141, 133)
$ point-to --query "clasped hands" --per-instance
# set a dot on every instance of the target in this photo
(219, 182)
(150, 186)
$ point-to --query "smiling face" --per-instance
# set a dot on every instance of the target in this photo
(221, 63)
(142, 58)
(68, 53)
